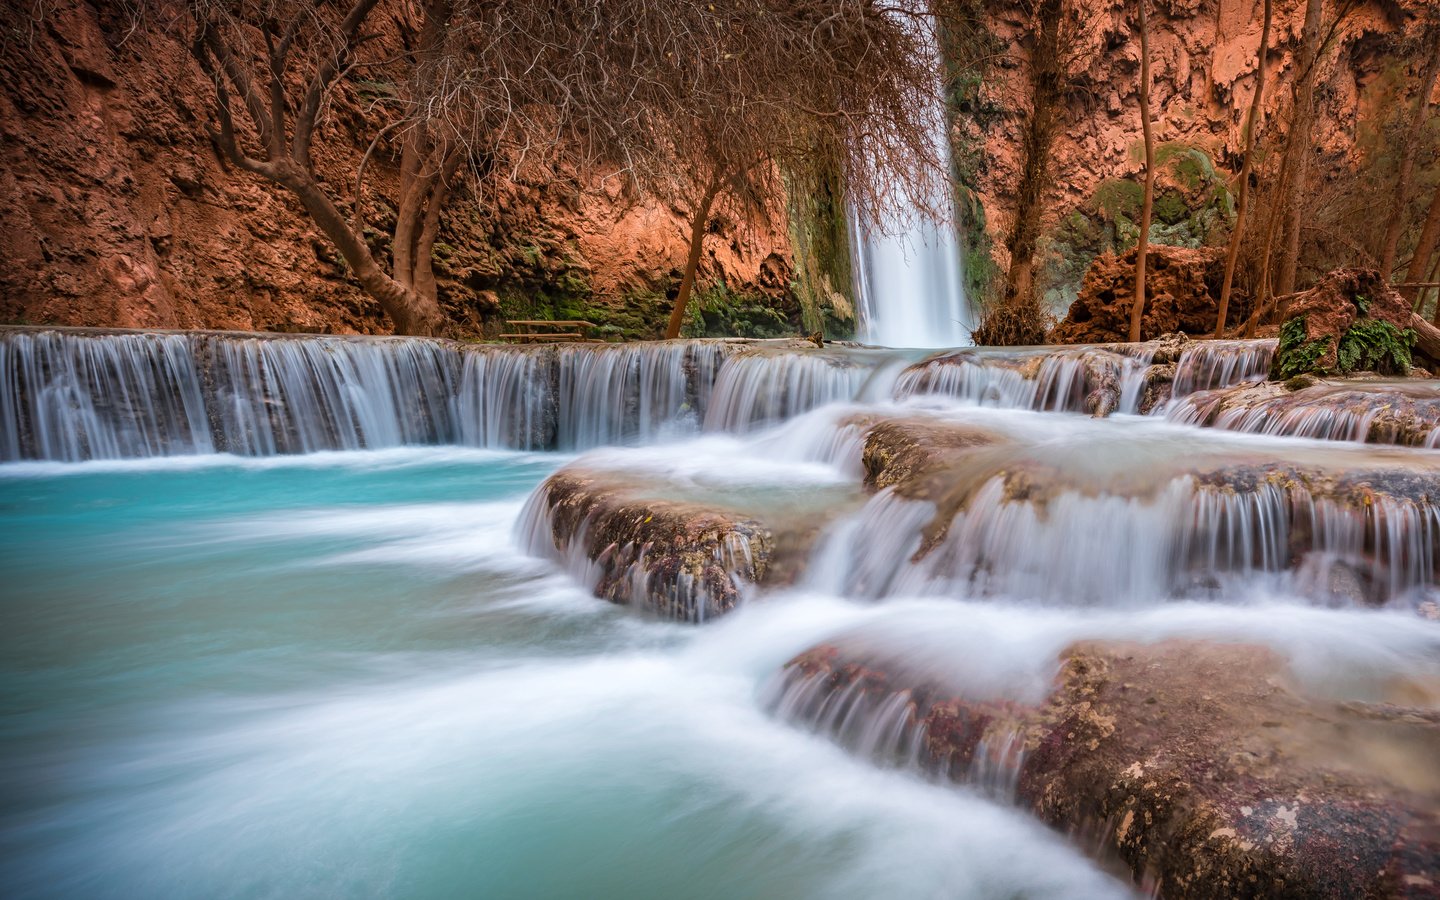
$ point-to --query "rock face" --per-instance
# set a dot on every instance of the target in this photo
(1181, 286)
(1203, 67)
(120, 213)
(1351, 321)
(1201, 767)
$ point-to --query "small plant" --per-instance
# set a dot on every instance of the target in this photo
(1295, 355)
(1375, 346)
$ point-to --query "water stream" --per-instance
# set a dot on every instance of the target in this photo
(271, 626)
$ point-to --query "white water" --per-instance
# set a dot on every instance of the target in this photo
(248, 673)
(908, 271)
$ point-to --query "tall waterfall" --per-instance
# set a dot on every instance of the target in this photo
(908, 272)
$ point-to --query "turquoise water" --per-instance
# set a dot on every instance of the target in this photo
(336, 676)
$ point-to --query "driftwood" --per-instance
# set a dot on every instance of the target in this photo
(1427, 338)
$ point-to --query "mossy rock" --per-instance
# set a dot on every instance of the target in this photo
(1351, 321)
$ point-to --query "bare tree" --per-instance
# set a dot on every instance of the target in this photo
(1424, 249)
(1399, 207)
(1297, 148)
(1242, 205)
(1137, 309)
(704, 102)
(282, 110)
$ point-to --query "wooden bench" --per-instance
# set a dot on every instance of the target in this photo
(527, 333)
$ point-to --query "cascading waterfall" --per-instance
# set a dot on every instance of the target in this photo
(756, 390)
(1205, 365)
(80, 395)
(1383, 412)
(908, 273)
(70, 398)
(300, 396)
(1054, 380)
(1176, 543)
(633, 391)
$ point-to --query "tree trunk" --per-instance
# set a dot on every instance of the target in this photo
(1137, 311)
(692, 261)
(1047, 84)
(1242, 206)
(1424, 248)
(1297, 151)
(1427, 337)
(1399, 208)
(1434, 277)
(411, 313)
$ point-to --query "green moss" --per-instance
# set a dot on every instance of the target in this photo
(1119, 198)
(1369, 345)
(717, 311)
(1295, 355)
(819, 234)
(1375, 346)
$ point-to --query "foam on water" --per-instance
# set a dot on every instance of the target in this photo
(241, 674)
(293, 698)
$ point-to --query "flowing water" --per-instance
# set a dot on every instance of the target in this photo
(270, 626)
(909, 278)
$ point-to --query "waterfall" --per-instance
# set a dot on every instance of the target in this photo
(633, 392)
(1205, 365)
(1176, 542)
(1066, 379)
(65, 397)
(299, 396)
(908, 272)
(759, 389)
(76, 395)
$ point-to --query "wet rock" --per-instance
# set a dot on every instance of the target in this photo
(679, 560)
(1202, 767)
(904, 452)
(638, 543)
(1351, 321)
(1374, 411)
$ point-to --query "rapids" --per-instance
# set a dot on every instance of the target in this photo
(280, 617)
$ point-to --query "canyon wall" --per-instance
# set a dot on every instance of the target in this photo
(119, 211)
(1203, 64)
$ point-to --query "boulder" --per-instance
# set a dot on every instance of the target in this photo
(678, 560)
(1351, 321)
(1182, 287)
(1202, 767)
(682, 559)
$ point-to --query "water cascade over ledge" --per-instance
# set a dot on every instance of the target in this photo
(766, 596)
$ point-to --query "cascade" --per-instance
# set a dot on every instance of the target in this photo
(1205, 365)
(1175, 544)
(507, 398)
(759, 389)
(299, 396)
(1378, 412)
(76, 395)
(908, 273)
(70, 398)
(631, 392)
(1080, 379)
